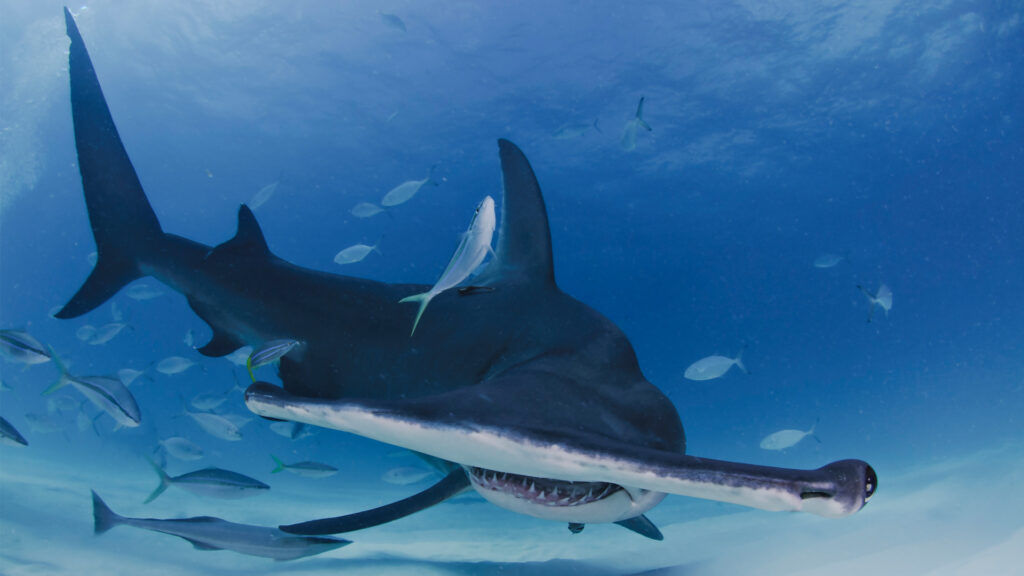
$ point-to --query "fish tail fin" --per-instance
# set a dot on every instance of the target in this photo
(63, 379)
(596, 127)
(103, 518)
(640, 115)
(739, 360)
(165, 481)
(423, 299)
(280, 465)
(871, 301)
(430, 176)
(124, 225)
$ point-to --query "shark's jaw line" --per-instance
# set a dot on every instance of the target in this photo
(562, 500)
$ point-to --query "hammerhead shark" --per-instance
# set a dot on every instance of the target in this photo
(528, 396)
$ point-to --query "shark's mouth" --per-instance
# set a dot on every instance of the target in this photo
(542, 491)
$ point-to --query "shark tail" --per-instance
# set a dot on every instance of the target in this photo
(280, 465)
(63, 379)
(165, 481)
(124, 225)
(102, 516)
(423, 299)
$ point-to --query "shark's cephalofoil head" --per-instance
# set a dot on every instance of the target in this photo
(562, 500)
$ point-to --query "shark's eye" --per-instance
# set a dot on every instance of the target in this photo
(870, 483)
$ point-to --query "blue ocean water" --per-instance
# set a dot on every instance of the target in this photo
(886, 132)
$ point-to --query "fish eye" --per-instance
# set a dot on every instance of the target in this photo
(870, 483)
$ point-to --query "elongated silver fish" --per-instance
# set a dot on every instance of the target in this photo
(269, 352)
(22, 347)
(209, 533)
(212, 482)
(9, 434)
(475, 244)
(106, 393)
(307, 468)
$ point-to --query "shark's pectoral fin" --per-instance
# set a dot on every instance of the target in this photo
(451, 485)
(221, 344)
(642, 526)
(198, 545)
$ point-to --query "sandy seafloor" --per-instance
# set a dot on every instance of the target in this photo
(961, 515)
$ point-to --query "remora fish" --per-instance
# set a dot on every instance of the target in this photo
(212, 482)
(472, 249)
(106, 393)
(307, 468)
(9, 434)
(22, 347)
(883, 299)
(522, 383)
(209, 533)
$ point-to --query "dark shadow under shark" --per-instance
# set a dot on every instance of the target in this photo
(531, 397)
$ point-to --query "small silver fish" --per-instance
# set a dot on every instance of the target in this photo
(106, 333)
(292, 430)
(365, 210)
(883, 299)
(713, 367)
(261, 197)
(472, 249)
(181, 448)
(9, 435)
(209, 533)
(211, 482)
(828, 260)
(406, 190)
(216, 425)
(208, 401)
(785, 438)
(190, 339)
(22, 347)
(86, 333)
(128, 375)
(631, 128)
(575, 130)
(143, 291)
(405, 475)
(354, 253)
(270, 352)
(239, 357)
(308, 469)
(174, 365)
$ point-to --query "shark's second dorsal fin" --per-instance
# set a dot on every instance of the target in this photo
(524, 238)
(248, 242)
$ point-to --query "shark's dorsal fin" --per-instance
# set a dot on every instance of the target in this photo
(524, 238)
(248, 241)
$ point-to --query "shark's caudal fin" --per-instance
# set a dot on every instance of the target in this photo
(524, 238)
(123, 223)
(102, 516)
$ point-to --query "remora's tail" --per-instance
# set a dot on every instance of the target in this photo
(103, 517)
(423, 299)
(123, 223)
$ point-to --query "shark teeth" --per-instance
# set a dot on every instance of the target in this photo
(544, 491)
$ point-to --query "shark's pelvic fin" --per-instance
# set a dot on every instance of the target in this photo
(524, 238)
(455, 483)
(642, 526)
(123, 223)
